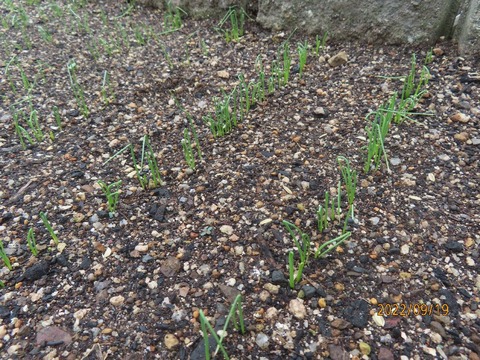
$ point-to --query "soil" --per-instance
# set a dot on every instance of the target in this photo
(130, 284)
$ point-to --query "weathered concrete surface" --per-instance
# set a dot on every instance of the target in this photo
(376, 21)
(467, 29)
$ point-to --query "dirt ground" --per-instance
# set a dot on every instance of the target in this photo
(130, 283)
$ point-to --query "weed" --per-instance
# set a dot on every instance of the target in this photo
(47, 225)
(32, 244)
(173, 17)
(45, 35)
(112, 193)
(235, 314)
(4, 257)
(224, 119)
(326, 213)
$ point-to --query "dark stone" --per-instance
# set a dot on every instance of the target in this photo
(267, 154)
(74, 113)
(454, 246)
(76, 174)
(198, 352)
(278, 277)
(4, 312)
(321, 292)
(157, 212)
(442, 276)
(62, 260)
(6, 217)
(309, 291)
(450, 300)
(357, 314)
(36, 271)
(324, 327)
(394, 251)
(163, 193)
(86, 262)
(464, 293)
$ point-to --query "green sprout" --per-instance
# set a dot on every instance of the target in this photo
(56, 115)
(112, 193)
(235, 314)
(377, 132)
(349, 177)
(237, 22)
(77, 89)
(302, 243)
(147, 158)
(329, 245)
(4, 257)
(320, 43)
(32, 244)
(302, 57)
(47, 225)
(287, 60)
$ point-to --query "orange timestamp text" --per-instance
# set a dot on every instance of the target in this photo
(413, 309)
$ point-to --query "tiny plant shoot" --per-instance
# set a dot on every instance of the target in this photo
(112, 193)
(47, 225)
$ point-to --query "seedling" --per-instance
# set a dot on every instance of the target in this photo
(32, 244)
(225, 118)
(237, 22)
(147, 158)
(47, 225)
(428, 57)
(4, 257)
(349, 177)
(173, 17)
(77, 89)
(329, 245)
(58, 118)
(302, 243)
(187, 146)
(112, 193)
(105, 91)
(327, 212)
(45, 35)
(21, 131)
(33, 124)
(287, 60)
(302, 57)
(235, 314)
(320, 43)
(377, 132)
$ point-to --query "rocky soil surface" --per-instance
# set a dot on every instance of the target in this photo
(130, 283)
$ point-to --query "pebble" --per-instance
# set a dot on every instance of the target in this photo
(338, 59)
(272, 289)
(405, 249)
(395, 161)
(262, 340)
(365, 349)
(460, 117)
(117, 300)
(374, 220)
(476, 141)
(171, 341)
(271, 313)
(223, 74)
(278, 277)
(385, 354)
(226, 229)
(340, 324)
(463, 136)
(297, 308)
